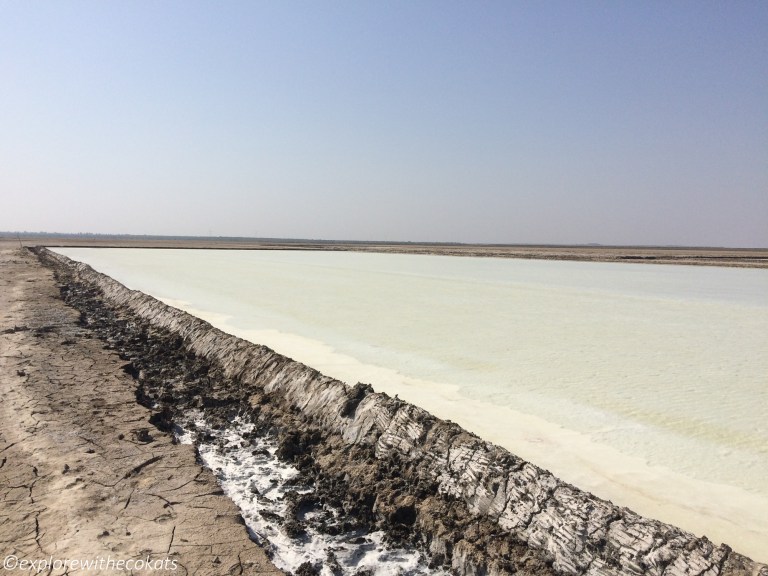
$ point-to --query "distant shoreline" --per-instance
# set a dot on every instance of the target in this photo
(698, 256)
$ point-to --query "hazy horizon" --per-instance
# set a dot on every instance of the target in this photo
(551, 123)
(11, 234)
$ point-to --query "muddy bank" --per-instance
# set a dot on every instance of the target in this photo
(378, 462)
(83, 475)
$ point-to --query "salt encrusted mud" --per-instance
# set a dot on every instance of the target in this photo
(472, 506)
(83, 474)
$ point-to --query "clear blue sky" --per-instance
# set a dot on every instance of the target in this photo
(519, 122)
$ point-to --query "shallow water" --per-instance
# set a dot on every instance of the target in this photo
(644, 384)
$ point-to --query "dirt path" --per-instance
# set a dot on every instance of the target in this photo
(83, 475)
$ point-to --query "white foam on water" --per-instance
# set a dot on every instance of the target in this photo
(644, 384)
(255, 479)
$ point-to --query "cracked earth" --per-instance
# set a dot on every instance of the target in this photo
(83, 474)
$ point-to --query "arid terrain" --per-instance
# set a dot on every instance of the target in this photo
(83, 473)
(88, 472)
(742, 257)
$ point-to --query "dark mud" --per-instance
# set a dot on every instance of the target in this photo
(83, 475)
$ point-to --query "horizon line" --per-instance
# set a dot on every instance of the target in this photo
(102, 235)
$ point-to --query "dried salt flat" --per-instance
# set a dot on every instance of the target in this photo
(643, 384)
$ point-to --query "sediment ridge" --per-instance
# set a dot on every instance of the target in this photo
(471, 506)
(87, 485)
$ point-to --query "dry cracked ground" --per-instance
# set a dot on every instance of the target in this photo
(83, 475)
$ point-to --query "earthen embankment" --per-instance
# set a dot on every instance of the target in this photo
(87, 484)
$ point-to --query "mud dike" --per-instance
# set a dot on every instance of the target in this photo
(87, 485)
(366, 470)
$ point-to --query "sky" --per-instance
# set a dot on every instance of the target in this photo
(547, 122)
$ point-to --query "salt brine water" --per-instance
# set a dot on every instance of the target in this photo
(644, 384)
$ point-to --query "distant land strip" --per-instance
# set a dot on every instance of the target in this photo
(701, 256)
